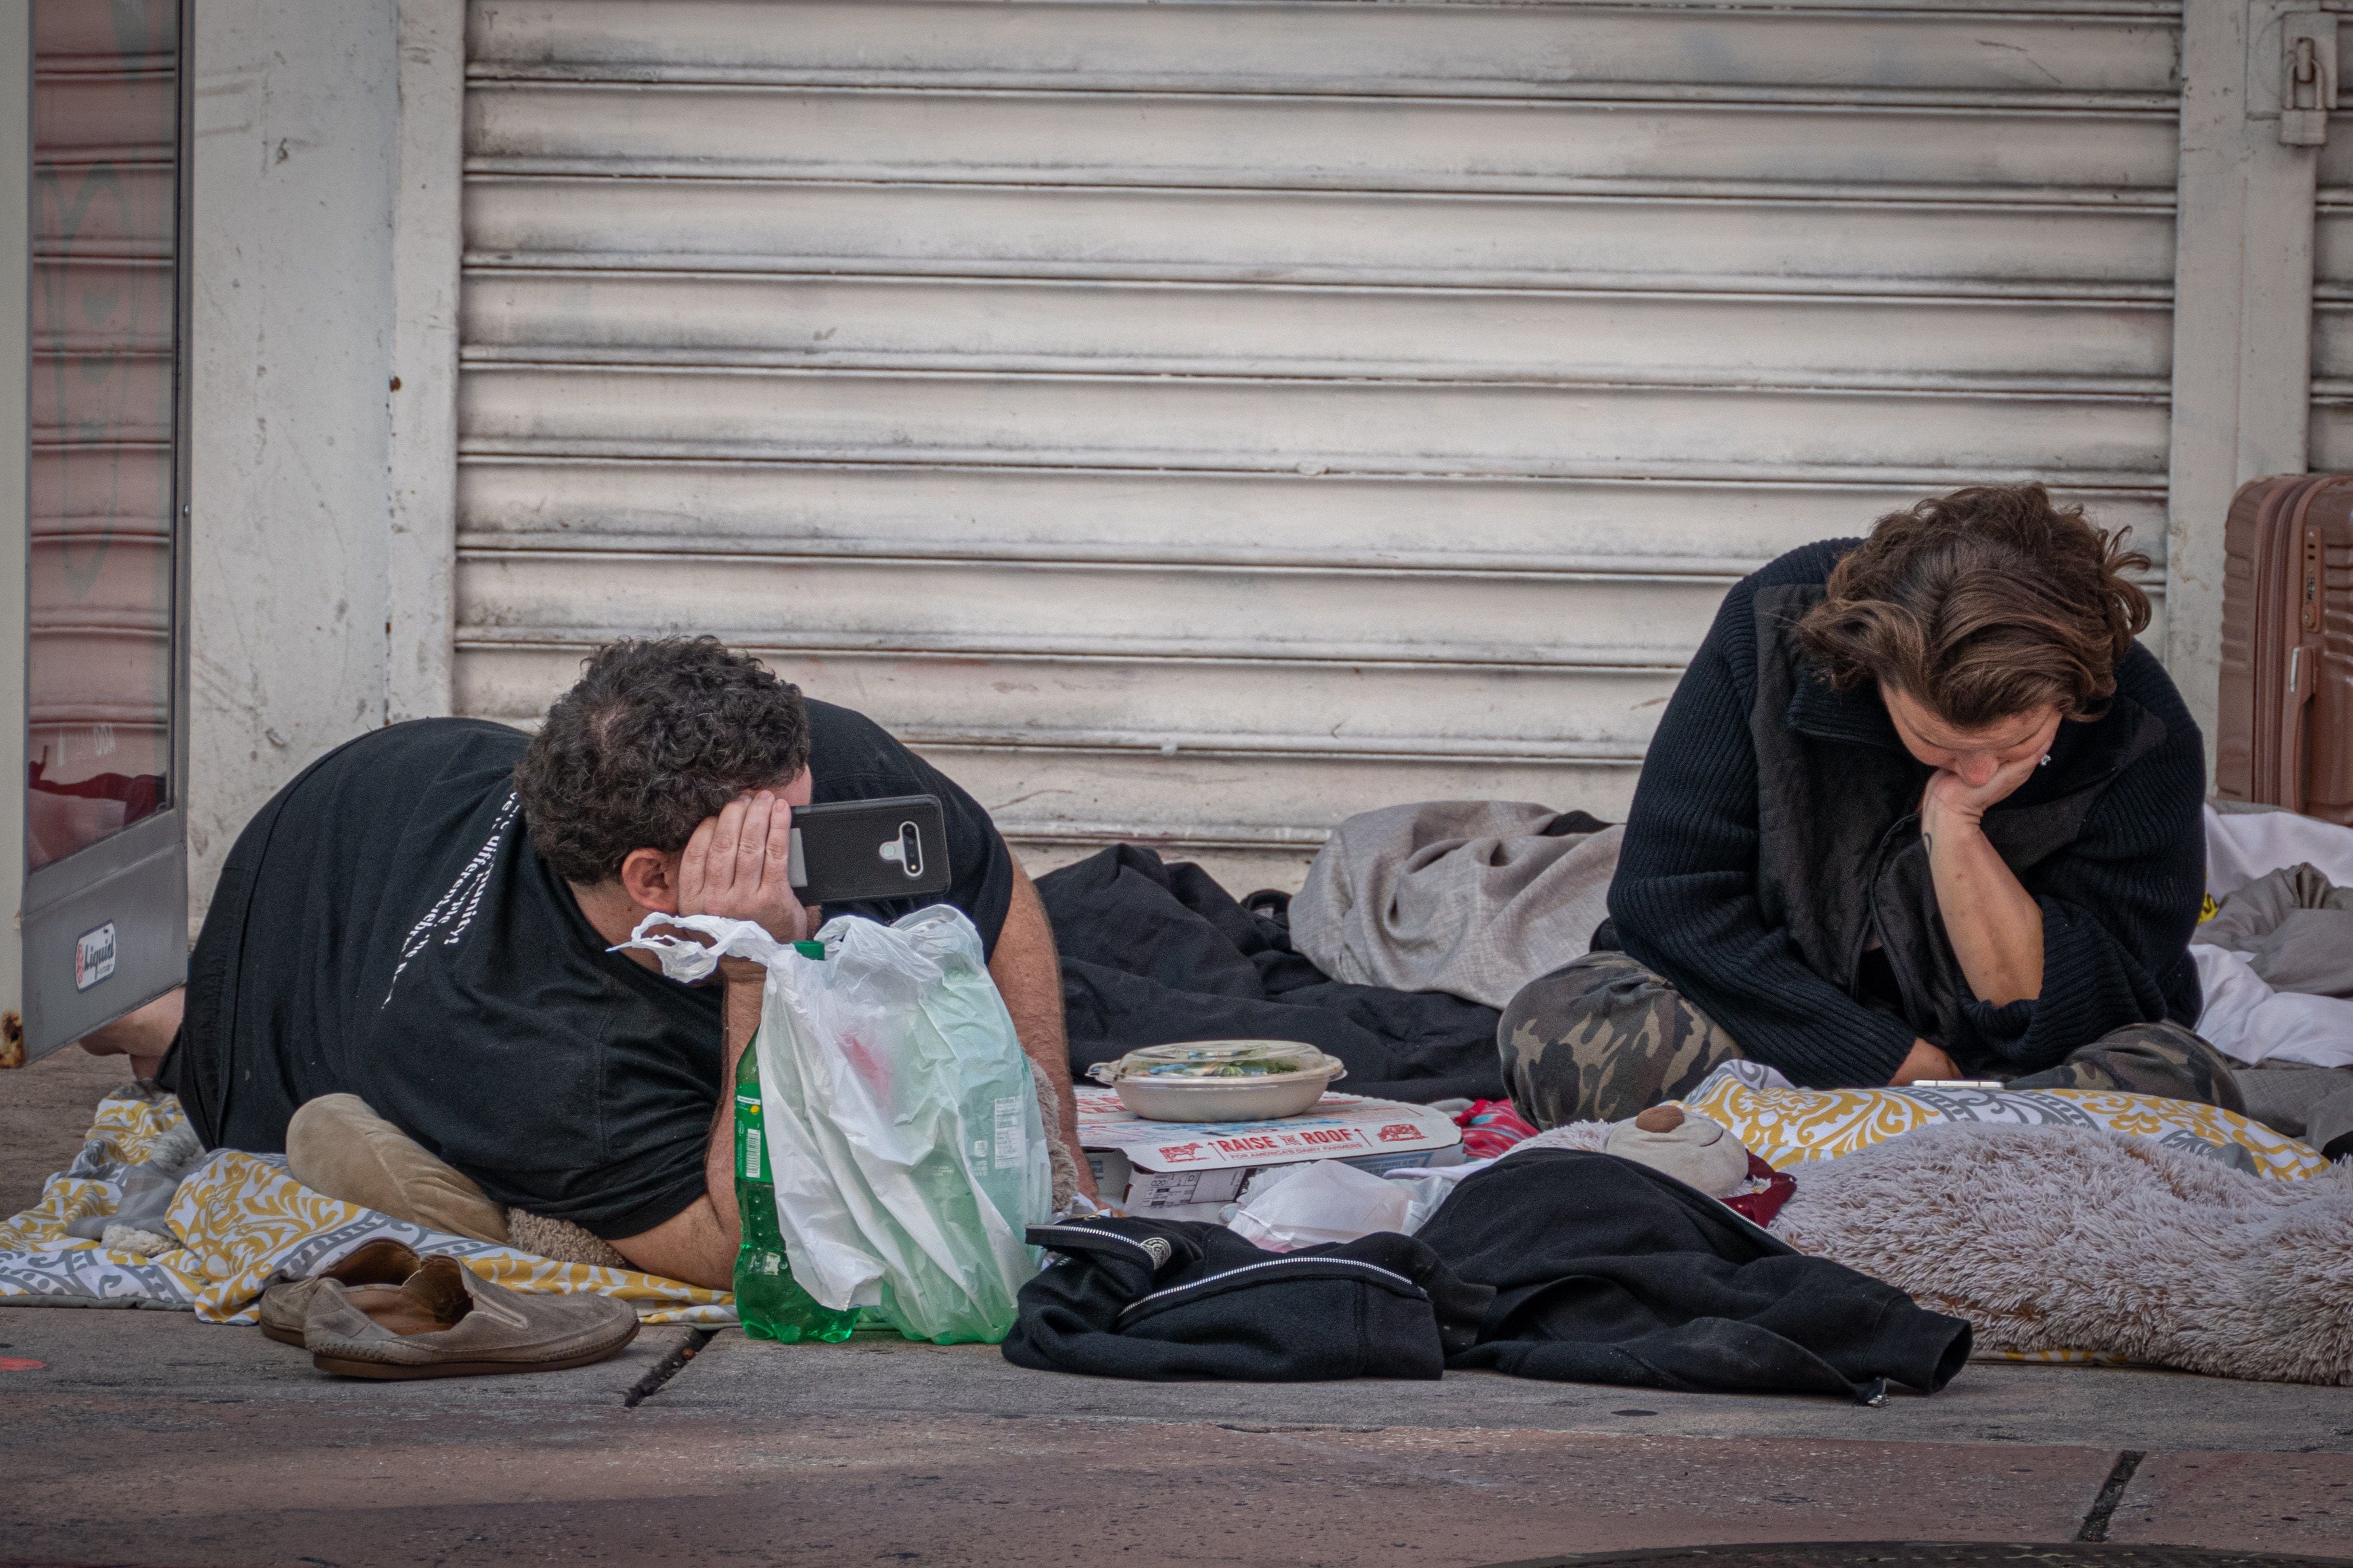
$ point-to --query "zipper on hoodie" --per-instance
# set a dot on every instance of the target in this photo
(1870, 906)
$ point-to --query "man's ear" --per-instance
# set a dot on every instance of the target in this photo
(650, 878)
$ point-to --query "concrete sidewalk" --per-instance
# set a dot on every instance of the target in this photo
(149, 1438)
(44, 1111)
(146, 1437)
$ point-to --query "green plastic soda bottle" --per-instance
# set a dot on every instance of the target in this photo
(769, 1304)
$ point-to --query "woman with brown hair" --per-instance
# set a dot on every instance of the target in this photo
(1921, 809)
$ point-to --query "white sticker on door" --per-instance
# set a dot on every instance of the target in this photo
(94, 956)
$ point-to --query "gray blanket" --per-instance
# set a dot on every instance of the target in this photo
(2295, 928)
(1474, 898)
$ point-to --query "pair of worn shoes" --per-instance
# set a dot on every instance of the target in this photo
(382, 1311)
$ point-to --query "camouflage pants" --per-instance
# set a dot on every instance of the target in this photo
(1604, 1038)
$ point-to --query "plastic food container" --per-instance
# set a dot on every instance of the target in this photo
(1220, 1081)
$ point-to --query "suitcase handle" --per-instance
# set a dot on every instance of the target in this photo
(2297, 698)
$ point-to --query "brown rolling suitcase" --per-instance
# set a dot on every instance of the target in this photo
(2285, 730)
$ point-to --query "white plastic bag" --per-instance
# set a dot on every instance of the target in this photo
(1430, 1186)
(1327, 1201)
(905, 1142)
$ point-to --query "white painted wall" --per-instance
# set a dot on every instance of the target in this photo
(2242, 403)
(297, 150)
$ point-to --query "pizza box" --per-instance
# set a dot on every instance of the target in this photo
(1192, 1170)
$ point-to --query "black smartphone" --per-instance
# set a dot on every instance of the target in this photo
(851, 851)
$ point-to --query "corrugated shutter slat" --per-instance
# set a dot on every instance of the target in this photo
(1203, 420)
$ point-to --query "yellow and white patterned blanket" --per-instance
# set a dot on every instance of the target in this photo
(1788, 1127)
(236, 1218)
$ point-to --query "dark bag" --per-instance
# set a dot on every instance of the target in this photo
(1154, 954)
(2284, 729)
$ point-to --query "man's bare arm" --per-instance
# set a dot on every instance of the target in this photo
(698, 1243)
(144, 1034)
(1029, 975)
(735, 864)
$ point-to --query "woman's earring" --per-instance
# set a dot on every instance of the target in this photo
(2045, 761)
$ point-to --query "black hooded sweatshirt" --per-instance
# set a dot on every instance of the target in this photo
(1776, 829)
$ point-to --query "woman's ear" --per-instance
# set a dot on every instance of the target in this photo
(650, 878)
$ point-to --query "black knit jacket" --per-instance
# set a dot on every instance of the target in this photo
(2119, 901)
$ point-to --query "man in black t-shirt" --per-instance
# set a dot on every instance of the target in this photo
(422, 919)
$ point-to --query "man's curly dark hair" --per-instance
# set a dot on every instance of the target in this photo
(656, 736)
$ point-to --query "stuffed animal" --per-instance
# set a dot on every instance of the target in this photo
(1691, 1148)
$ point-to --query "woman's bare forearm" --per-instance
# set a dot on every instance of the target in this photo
(1993, 922)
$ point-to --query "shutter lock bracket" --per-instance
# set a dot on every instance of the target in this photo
(2307, 77)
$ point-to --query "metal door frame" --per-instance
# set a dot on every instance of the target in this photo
(2243, 298)
(144, 867)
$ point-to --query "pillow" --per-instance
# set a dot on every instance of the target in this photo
(1788, 1126)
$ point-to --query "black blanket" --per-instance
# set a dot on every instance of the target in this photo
(1574, 1266)
(1154, 953)
(1607, 1271)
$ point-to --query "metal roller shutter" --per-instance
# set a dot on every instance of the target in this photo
(1196, 422)
(2332, 298)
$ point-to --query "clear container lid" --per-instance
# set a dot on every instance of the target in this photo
(1214, 1060)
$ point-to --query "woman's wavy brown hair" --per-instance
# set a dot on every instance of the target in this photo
(1982, 604)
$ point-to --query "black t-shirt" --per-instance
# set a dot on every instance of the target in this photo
(384, 928)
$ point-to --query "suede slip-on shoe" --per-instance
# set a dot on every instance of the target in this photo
(376, 1268)
(451, 1322)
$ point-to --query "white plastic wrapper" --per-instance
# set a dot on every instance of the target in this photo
(904, 1138)
(1430, 1186)
(1327, 1200)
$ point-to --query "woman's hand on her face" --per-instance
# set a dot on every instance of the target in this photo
(1951, 803)
(739, 865)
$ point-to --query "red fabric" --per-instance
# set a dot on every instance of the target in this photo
(1489, 1127)
(141, 794)
(1760, 1207)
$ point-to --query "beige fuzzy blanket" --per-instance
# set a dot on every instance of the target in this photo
(2070, 1239)
(2063, 1238)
